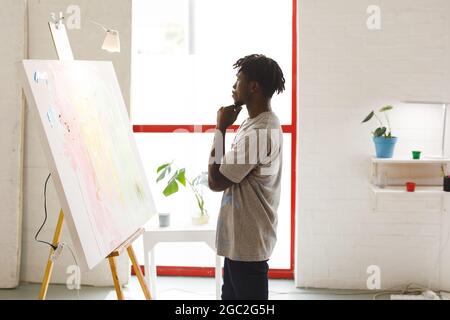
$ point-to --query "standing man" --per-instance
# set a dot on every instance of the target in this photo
(249, 175)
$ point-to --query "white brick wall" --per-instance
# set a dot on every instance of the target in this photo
(346, 70)
(12, 27)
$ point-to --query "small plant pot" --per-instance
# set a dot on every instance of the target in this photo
(410, 186)
(416, 155)
(447, 183)
(200, 219)
(164, 219)
(384, 147)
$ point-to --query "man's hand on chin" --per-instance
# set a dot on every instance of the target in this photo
(226, 116)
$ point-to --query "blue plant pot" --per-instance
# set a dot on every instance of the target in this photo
(384, 147)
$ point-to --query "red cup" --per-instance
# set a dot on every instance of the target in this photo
(410, 186)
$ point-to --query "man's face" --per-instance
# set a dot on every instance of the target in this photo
(240, 90)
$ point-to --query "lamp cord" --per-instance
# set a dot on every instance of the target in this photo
(45, 218)
(99, 25)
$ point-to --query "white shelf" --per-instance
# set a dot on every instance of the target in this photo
(428, 195)
(402, 189)
(424, 160)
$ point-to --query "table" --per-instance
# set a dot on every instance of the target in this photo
(154, 234)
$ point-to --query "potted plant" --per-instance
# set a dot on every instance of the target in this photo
(197, 184)
(382, 136)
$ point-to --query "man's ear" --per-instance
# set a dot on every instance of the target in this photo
(254, 87)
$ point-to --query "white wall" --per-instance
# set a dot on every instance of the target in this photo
(86, 45)
(12, 31)
(345, 70)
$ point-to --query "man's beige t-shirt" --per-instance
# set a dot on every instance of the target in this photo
(246, 228)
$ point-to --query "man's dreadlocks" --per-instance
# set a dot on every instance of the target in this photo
(264, 70)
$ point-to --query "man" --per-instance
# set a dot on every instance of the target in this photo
(250, 175)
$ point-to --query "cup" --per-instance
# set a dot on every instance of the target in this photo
(410, 186)
(416, 155)
(164, 219)
(447, 183)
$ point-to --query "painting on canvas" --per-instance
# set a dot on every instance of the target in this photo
(88, 140)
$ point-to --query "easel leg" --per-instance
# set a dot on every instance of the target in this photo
(112, 265)
(49, 267)
(147, 271)
(137, 270)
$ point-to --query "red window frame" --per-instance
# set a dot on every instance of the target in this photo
(292, 129)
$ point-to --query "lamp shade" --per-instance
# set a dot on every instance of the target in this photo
(112, 41)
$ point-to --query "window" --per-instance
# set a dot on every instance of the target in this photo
(183, 52)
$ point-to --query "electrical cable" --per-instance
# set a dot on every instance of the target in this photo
(45, 219)
(54, 247)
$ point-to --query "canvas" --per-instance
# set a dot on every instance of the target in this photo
(87, 137)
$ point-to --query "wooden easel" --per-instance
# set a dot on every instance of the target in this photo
(126, 245)
(64, 52)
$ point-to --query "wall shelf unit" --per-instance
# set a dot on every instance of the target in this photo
(376, 162)
(424, 198)
(401, 190)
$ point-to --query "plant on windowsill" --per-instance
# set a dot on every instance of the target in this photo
(382, 136)
(196, 185)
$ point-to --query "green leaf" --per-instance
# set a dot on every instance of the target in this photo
(379, 131)
(165, 165)
(171, 188)
(165, 171)
(368, 117)
(181, 177)
(386, 108)
(161, 176)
